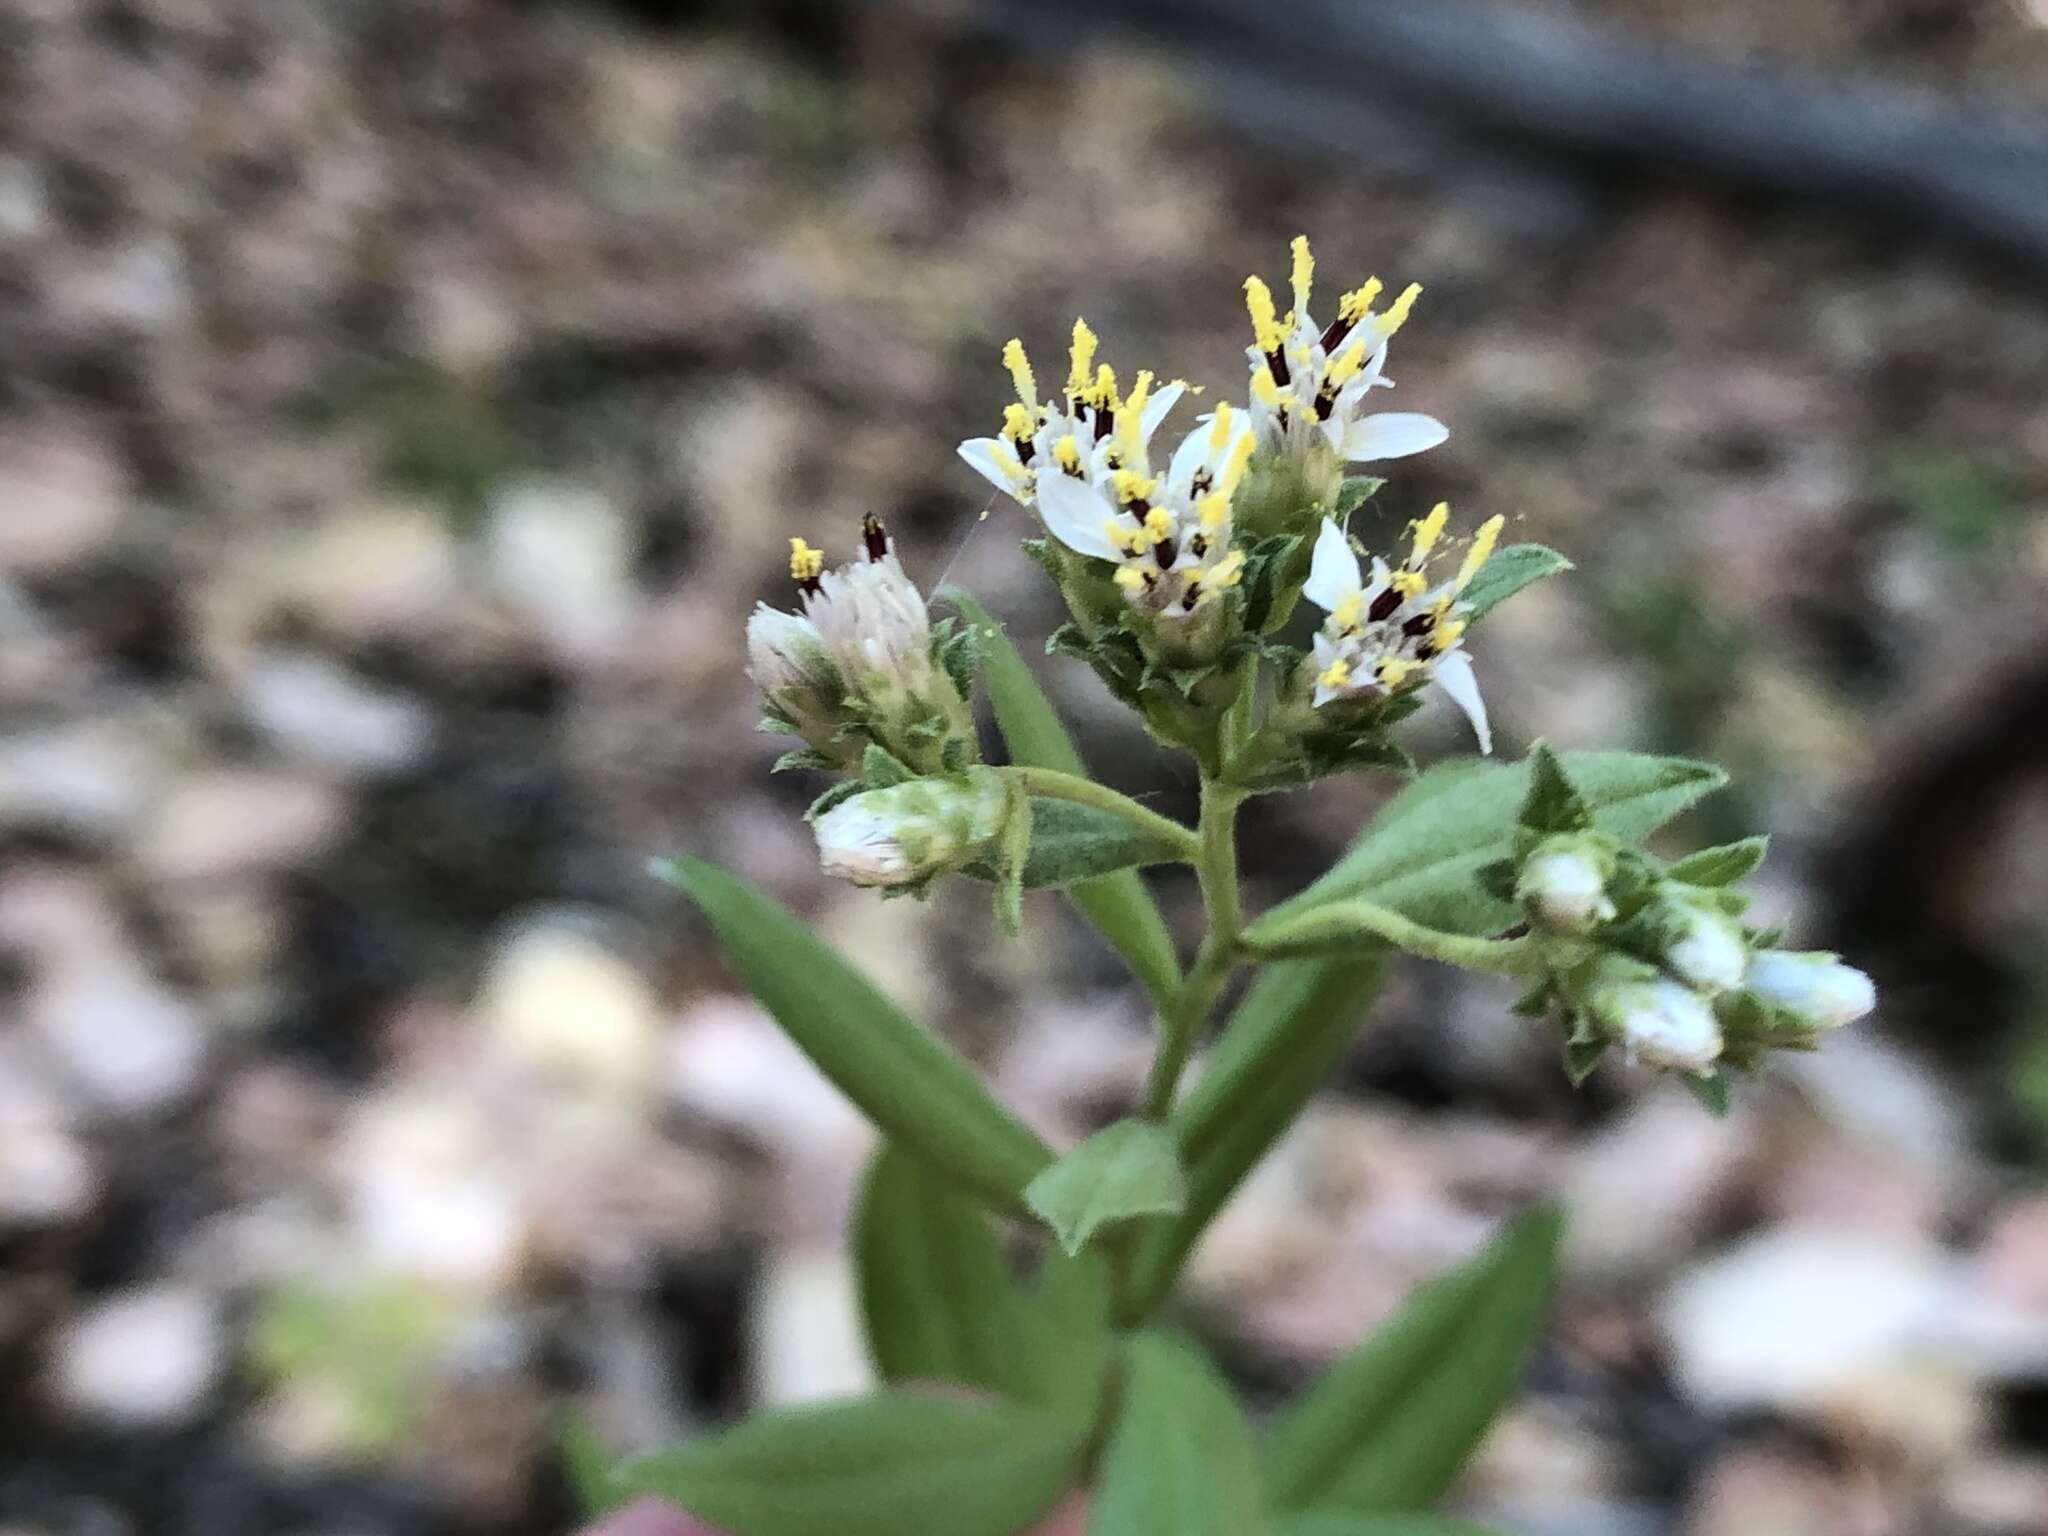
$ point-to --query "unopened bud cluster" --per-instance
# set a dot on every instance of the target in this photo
(1662, 966)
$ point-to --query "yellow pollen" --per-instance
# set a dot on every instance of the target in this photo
(1336, 674)
(1080, 357)
(1213, 510)
(1141, 391)
(1020, 371)
(1068, 454)
(1258, 298)
(1159, 523)
(1131, 486)
(1345, 368)
(1398, 312)
(1264, 390)
(1219, 426)
(1428, 531)
(1304, 270)
(1227, 572)
(1446, 632)
(804, 562)
(1357, 304)
(1123, 535)
(1017, 422)
(1482, 548)
(1408, 583)
(1007, 462)
(1349, 606)
(1130, 578)
(1395, 670)
(1233, 469)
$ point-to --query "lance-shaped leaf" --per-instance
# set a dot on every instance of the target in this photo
(1072, 843)
(1121, 1173)
(1276, 1050)
(1389, 1426)
(911, 1084)
(1118, 905)
(1422, 855)
(1723, 865)
(1180, 1458)
(1506, 572)
(1324, 1522)
(877, 1466)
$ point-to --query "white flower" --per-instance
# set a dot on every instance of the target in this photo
(1310, 381)
(1081, 434)
(1708, 952)
(784, 650)
(1814, 985)
(1565, 891)
(1396, 632)
(911, 831)
(1169, 534)
(869, 616)
(1664, 1024)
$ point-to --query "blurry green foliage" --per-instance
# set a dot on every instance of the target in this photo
(1968, 508)
(365, 1351)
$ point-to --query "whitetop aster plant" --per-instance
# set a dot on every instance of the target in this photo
(1396, 632)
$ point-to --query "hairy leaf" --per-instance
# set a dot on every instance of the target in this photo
(1125, 1171)
(1180, 1458)
(1506, 572)
(1724, 865)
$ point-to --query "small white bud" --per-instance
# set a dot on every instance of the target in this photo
(784, 650)
(907, 832)
(1816, 986)
(1565, 890)
(1665, 1024)
(1708, 953)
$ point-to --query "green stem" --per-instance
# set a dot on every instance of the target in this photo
(1341, 920)
(1180, 1023)
(1051, 784)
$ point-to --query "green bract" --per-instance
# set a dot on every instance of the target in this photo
(1011, 1291)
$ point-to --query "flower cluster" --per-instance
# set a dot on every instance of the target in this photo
(1655, 959)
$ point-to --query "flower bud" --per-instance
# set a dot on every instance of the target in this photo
(909, 832)
(1656, 1019)
(1706, 950)
(1563, 886)
(1822, 991)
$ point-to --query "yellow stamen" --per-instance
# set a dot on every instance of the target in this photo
(804, 562)
(1447, 632)
(1227, 572)
(1131, 486)
(1482, 548)
(1258, 298)
(1068, 454)
(1123, 535)
(1020, 371)
(1336, 674)
(1234, 467)
(1345, 368)
(1131, 579)
(1219, 427)
(1141, 391)
(1264, 390)
(1349, 607)
(1408, 583)
(1398, 312)
(1080, 358)
(1304, 271)
(1428, 531)
(1395, 670)
(1159, 523)
(1017, 423)
(1007, 462)
(1130, 419)
(1358, 303)
(1213, 510)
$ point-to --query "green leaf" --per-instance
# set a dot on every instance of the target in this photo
(1180, 1458)
(1553, 804)
(1282, 1041)
(1354, 493)
(1422, 855)
(880, 768)
(877, 1466)
(1711, 1092)
(1506, 572)
(1125, 1171)
(1068, 1333)
(1118, 905)
(936, 1293)
(1723, 865)
(1390, 1425)
(1327, 1522)
(910, 1083)
(1072, 843)
(588, 1466)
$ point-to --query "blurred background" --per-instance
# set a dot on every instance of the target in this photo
(401, 406)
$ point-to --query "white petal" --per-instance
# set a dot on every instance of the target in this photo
(1453, 674)
(979, 452)
(1076, 514)
(1392, 435)
(1156, 406)
(1332, 570)
(1193, 449)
